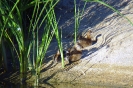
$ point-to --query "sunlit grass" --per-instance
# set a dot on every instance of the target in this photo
(30, 48)
(77, 17)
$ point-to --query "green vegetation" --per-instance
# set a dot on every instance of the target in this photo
(77, 16)
(20, 23)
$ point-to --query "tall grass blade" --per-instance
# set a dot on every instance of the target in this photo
(77, 16)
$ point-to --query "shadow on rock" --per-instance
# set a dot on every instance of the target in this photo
(88, 52)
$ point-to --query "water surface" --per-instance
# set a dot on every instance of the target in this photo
(55, 85)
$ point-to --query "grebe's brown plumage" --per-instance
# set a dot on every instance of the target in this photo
(75, 53)
(57, 56)
(86, 40)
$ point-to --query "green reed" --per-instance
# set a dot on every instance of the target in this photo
(29, 47)
(77, 15)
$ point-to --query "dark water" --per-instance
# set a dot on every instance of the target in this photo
(55, 85)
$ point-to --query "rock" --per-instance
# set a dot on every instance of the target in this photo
(110, 61)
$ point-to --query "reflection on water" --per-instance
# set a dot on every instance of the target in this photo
(47, 85)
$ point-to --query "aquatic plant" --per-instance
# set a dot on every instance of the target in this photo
(21, 22)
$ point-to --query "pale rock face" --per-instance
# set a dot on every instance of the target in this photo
(117, 52)
(110, 60)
